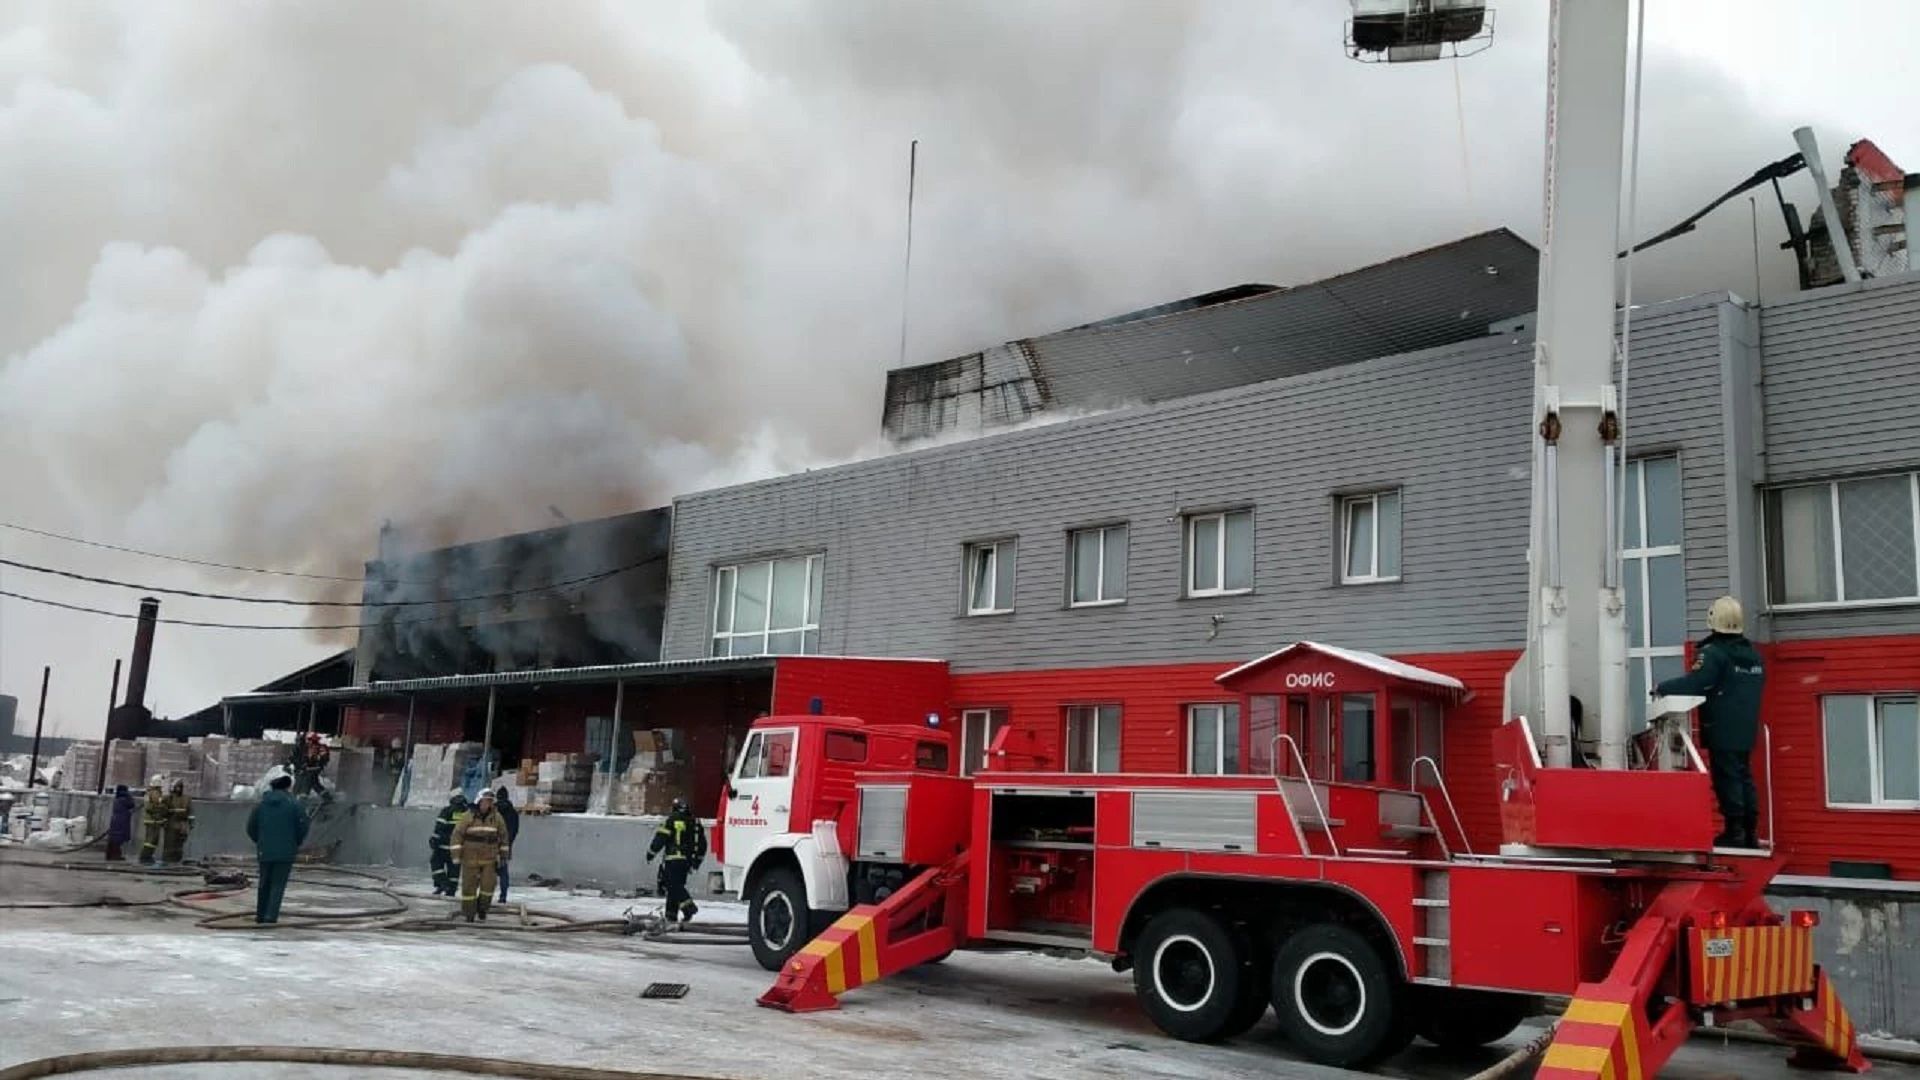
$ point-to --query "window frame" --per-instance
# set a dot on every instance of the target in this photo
(1636, 557)
(1191, 524)
(1345, 505)
(1094, 710)
(996, 718)
(1225, 717)
(813, 600)
(992, 548)
(1876, 776)
(1073, 554)
(1837, 570)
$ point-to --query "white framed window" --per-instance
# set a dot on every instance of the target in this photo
(1213, 739)
(978, 729)
(769, 607)
(1872, 744)
(1093, 738)
(1654, 576)
(1370, 538)
(1220, 553)
(1097, 566)
(990, 571)
(1844, 542)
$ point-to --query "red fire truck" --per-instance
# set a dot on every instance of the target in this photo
(1348, 900)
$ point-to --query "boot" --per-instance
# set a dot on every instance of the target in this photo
(485, 902)
(687, 911)
(1749, 831)
(1730, 837)
(469, 908)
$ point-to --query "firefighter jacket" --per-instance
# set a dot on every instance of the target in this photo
(180, 813)
(450, 818)
(680, 837)
(1727, 672)
(153, 812)
(481, 838)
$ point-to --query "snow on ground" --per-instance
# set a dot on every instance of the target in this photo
(99, 978)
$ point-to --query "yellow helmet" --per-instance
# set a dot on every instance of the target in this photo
(1724, 616)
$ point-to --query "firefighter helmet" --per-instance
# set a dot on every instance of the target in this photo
(485, 795)
(1724, 616)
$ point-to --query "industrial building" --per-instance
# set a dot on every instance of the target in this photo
(1088, 582)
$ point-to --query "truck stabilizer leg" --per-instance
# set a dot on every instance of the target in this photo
(923, 920)
(1703, 952)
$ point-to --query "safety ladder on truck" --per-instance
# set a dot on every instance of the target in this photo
(1402, 815)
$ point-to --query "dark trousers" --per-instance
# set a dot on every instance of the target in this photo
(673, 874)
(501, 874)
(1732, 772)
(273, 889)
(116, 851)
(442, 871)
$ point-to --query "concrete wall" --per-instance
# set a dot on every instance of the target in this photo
(1448, 427)
(1869, 942)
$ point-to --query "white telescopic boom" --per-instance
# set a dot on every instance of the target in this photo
(1577, 636)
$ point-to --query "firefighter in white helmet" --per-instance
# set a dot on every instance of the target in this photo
(1728, 672)
(479, 843)
(153, 818)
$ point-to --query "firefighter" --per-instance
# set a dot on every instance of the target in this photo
(153, 820)
(450, 818)
(479, 843)
(179, 823)
(683, 840)
(1727, 672)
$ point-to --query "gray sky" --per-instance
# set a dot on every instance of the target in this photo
(277, 272)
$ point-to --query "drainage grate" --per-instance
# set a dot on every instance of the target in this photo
(665, 990)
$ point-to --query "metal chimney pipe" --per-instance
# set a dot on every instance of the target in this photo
(142, 652)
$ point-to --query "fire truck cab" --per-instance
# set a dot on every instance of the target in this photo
(788, 833)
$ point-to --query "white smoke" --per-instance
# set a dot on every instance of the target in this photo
(279, 271)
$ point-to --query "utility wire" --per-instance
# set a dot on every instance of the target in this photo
(85, 610)
(546, 587)
(170, 558)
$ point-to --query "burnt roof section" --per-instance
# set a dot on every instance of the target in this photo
(1440, 296)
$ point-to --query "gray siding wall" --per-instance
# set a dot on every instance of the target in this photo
(1842, 398)
(1449, 426)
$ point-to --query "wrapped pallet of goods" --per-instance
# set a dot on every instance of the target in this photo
(166, 757)
(437, 769)
(84, 762)
(127, 764)
(565, 782)
(243, 762)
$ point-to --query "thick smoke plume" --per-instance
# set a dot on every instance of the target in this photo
(277, 272)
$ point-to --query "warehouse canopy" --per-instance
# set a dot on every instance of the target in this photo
(652, 671)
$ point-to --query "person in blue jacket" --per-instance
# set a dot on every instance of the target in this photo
(120, 826)
(277, 826)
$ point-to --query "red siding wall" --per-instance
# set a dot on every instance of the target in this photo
(882, 691)
(1798, 673)
(380, 725)
(1153, 701)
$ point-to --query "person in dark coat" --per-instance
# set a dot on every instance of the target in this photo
(277, 826)
(120, 826)
(1727, 672)
(504, 803)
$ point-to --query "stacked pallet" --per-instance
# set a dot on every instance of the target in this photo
(84, 762)
(436, 770)
(127, 765)
(654, 778)
(243, 763)
(564, 783)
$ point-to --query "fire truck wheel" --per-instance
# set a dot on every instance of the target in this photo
(778, 920)
(1187, 974)
(1256, 996)
(1336, 998)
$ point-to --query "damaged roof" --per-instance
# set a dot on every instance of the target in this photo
(1232, 337)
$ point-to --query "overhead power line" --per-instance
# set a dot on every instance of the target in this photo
(232, 598)
(85, 610)
(170, 558)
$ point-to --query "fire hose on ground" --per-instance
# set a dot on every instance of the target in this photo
(156, 1056)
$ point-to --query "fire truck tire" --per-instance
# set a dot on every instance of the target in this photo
(778, 919)
(1467, 1019)
(1256, 990)
(1188, 975)
(1337, 1000)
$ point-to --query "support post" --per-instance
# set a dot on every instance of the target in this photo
(226, 719)
(1910, 214)
(406, 754)
(486, 741)
(613, 740)
(33, 761)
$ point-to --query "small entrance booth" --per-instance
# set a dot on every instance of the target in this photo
(1328, 713)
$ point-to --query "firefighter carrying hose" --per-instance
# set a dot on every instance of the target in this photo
(1727, 672)
(479, 843)
(684, 841)
(451, 815)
